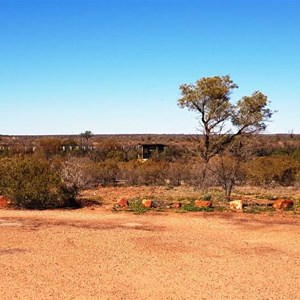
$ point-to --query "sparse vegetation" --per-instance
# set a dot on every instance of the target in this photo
(192, 207)
(136, 206)
(264, 162)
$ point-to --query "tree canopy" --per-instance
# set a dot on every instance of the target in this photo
(221, 121)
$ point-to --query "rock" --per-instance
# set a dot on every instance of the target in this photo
(202, 203)
(147, 203)
(176, 205)
(283, 204)
(4, 201)
(123, 203)
(236, 205)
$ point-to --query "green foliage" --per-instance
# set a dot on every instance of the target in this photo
(136, 206)
(256, 209)
(192, 207)
(32, 184)
(209, 97)
(251, 112)
(207, 197)
(221, 121)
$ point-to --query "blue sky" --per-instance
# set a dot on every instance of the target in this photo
(116, 66)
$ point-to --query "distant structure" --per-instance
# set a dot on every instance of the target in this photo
(150, 150)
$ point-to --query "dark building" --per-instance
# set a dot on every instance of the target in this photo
(150, 150)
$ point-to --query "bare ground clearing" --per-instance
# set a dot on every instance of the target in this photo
(111, 195)
(96, 254)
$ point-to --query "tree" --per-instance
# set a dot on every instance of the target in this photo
(220, 120)
(226, 167)
(86, 135)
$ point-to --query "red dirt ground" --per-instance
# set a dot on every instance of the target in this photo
(97, 254)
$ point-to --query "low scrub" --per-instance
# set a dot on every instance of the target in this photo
(192, 207)
(136, 206)
(33, 184)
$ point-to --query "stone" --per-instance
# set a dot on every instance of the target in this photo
(4, 201)
(147, 203)
(236, 205)
(202, 203)
(283, 204)
(123, 203)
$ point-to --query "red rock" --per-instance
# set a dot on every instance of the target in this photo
(123, 203)
(176, 205)
(236, 205)
(147, 203)
(4, 201)
(202, 203)
(283, 204)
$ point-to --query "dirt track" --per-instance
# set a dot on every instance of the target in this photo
(93, 254)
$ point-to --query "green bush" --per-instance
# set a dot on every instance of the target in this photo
(136, 206)
(32, 184)
(207, 197)
(191, 207)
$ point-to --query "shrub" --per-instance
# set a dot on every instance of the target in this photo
(207, 197)
(278, 169)
(74, 173)
(136, 206)
(32, 184)
(258, 209)
(192, 207)
(178, 173)
(104, 173)
(150, 172)
(50, 146)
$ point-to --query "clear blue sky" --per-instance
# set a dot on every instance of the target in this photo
(116, 66)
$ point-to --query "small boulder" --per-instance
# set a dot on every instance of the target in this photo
(283, 204)
(147, 203)
(202, 203)
(123, 203)
(4, 201)
(236, 205)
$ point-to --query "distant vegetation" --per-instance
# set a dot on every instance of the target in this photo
(52, 175)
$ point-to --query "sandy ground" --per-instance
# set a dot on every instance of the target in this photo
(96, 254)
